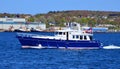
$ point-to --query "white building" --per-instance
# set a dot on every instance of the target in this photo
(12, 20)
(16, 23)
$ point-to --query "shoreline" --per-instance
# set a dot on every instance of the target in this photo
(53, 31)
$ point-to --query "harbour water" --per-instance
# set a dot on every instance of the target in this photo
(12, 56)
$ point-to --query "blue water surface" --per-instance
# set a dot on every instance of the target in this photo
(12, 56)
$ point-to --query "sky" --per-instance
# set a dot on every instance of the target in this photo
(44, 6)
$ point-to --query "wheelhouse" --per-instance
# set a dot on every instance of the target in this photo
(74, 35)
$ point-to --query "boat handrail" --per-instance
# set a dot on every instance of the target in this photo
(26, 34)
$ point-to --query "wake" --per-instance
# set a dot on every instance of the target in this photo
(111, 47)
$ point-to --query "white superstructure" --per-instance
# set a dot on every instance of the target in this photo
(69, 34)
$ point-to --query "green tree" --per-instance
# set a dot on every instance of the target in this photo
(31, 19)
(50, 19)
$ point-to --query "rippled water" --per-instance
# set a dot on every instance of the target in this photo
(13, 57)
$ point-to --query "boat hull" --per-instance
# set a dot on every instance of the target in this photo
(29, 42)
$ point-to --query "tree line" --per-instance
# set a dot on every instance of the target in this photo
(58, 18)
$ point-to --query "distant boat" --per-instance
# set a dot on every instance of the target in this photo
(22, 29)
(35, 30)
(96, 29)
(19, 30)
(67, 38)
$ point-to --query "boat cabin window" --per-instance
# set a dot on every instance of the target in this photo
(85, 38)
(77, 36)
(90, 37)
(73, 36)
(63, 33)
(60, 33)
(81, 37)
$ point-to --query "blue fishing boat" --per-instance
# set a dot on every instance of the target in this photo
(67, 38)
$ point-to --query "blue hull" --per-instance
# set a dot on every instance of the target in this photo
(52, 43)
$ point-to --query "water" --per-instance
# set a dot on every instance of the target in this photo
(108, 38)
(13, 57)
